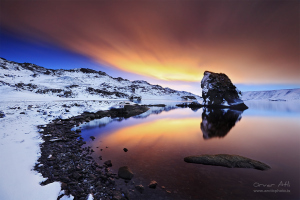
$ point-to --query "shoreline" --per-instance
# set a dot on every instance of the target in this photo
(63, 159)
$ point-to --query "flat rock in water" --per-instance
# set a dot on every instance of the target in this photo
(125, 173)
(225, 160)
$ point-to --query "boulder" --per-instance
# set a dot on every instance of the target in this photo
(225, 160)
(125, 173)
(218, 91)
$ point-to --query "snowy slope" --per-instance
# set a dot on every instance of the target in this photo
(273, 95)
(35, 82)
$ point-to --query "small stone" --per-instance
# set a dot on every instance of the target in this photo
(117, 195)
(140, 188)
(125, 149)
(22, 113)
(108, 163)
(93, 138)
(125, 173)
(92, 176)
(153, 184)
(78, 130)
(64, 186)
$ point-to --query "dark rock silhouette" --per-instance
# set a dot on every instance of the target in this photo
(218, 91)
(218, 122)
(225, 160)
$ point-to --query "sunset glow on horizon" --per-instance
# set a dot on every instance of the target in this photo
(253, 42)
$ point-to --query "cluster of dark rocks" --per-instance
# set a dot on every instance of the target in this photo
(64, 159)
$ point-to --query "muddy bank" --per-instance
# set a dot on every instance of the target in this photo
(64, 160)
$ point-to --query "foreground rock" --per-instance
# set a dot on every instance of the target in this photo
(218, 91)
(225, 160)
(125, 173)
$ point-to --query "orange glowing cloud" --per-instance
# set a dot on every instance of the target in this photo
(252, 42)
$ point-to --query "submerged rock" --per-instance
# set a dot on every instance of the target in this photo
(218, 91)
(225, 160)
(125, 173)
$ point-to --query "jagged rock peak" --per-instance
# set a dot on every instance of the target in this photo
(218, 90)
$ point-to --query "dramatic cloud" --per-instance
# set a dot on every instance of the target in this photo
(251, 41)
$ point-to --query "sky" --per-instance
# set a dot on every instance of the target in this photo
(171, 43)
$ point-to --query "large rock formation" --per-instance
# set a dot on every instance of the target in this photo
(218, 91)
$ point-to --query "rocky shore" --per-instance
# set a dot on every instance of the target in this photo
(63, 159)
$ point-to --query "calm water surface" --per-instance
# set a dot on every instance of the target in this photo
(159, 139)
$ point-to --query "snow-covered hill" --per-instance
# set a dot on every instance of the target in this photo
(29, 81)
(273, 95)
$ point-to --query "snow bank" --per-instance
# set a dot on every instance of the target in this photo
(19, 144)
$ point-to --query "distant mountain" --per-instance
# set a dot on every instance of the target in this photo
(273, 95)
(82, 83)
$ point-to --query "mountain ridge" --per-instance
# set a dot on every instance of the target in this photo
(273, 95)
(80, 83)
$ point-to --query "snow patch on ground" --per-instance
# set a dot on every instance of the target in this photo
(19, 144)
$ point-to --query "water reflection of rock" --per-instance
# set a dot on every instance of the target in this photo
(106, 120)
(218, 122)
(156, 111)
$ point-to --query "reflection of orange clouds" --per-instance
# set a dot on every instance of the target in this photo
(162, 132)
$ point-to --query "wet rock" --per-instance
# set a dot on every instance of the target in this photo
(225, 160)
(78, 130)
(64, 186)
(153, 184)
(2, 114)
(125, 173)
(92, 176)
(140, 188)
(92, 137)
(125, 149)
(108, 163)
(218, 91)
(76, 175)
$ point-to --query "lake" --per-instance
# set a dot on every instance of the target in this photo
(158, 140)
